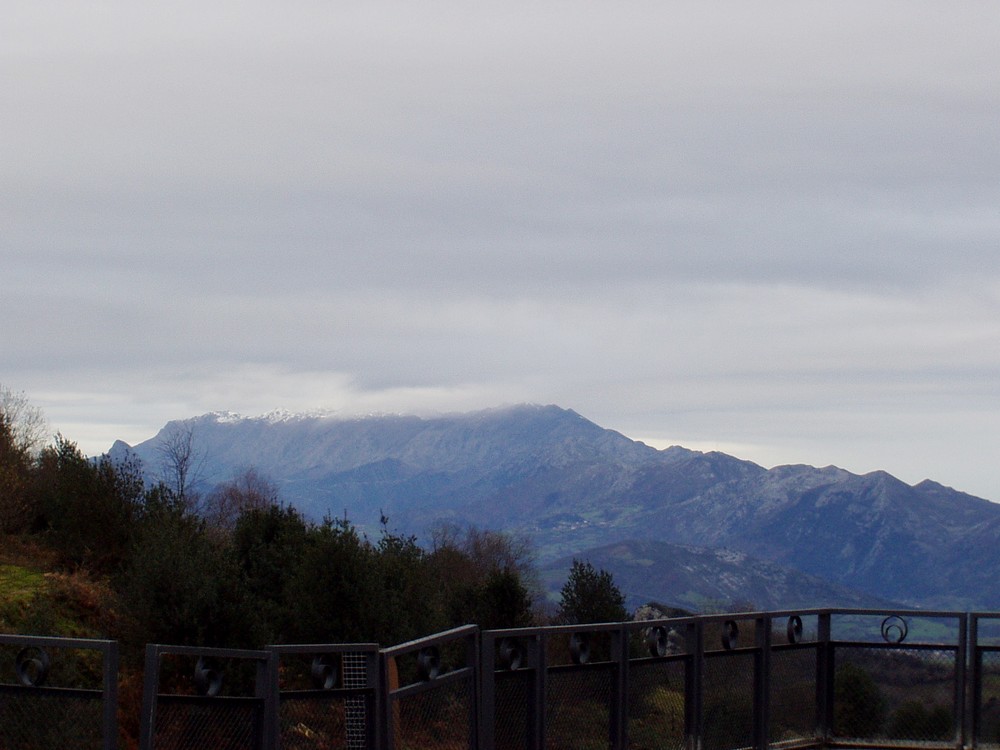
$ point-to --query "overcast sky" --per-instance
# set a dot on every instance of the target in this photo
(769, 228)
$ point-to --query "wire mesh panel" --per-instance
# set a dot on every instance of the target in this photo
(221, 699)
(656, 700)
(793, 715)
(185, 722)
(512, 691)
(578, 708)
(985, 635)
(43, 719)
(988, 704)
(897, 694)
(791, 679)
(436, 719)
(728, 701)
(57, 692)
(899, 678)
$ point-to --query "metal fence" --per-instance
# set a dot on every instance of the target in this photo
(431, 689)
(328, 696)
(845, 678)
(63, 694)
(216, 698)
(752, 681)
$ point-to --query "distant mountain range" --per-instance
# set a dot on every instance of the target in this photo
(718, 527)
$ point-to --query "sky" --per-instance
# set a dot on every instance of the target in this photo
(766, 228)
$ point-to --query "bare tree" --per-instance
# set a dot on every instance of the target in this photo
(248, 490)
(29, 429)
(181, 463)
(487, 550)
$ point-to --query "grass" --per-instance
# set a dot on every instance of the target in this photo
(38, 599)
(20, 588)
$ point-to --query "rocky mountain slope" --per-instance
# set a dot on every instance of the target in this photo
(572, 486)
(698, 579)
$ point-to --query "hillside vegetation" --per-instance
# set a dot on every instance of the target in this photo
(89, 547)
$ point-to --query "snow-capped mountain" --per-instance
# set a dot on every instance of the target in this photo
(572, 486)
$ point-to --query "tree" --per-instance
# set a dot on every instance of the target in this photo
(332, 586)
(406, 600)
(181, 586)
(15, 512)
(86, 510)
(249, 490)
(485, 577)
(26, 422)
(503, 601)
(180, 462)
(268, 544)
(859, 706)
(23, 432)
(590, 595)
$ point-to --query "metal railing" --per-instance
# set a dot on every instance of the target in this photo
(431, 689)
(328, 696)
(208, 698)
(64, 694)
(830, 678)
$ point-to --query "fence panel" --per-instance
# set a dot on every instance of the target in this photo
(222, 699)
(898, 678)
(63, 693)
(984, 636)
(328, 696)
(757, 681)
(658, 672)
(554, 688)
(432, 686)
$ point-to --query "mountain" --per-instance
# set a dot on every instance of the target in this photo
(572, 485)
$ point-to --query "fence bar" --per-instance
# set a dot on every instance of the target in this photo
(825, 669)
(537, 725)
(208, 682)
(693, 685)
(960, 680)
(762, 682)
(619, 691)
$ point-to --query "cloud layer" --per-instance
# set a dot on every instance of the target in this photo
(770, 226)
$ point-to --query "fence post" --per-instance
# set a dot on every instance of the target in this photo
(389, 681)
(762, 681)
(472, 649)
(960, 676)
(539, 686)
(266, 689)
(150, 688)
(111, 696)
(824, 679)
(976, 659)
(619, 699)
(695, 638)
(487, 692)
